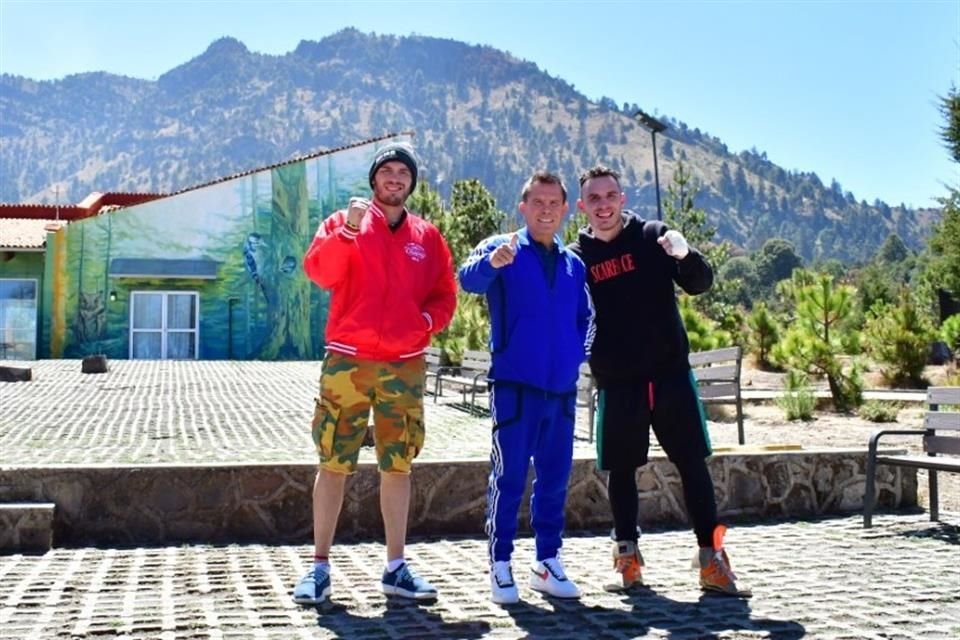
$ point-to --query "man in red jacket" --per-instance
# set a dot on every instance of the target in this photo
(390, 274)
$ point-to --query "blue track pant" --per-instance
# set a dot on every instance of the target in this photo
(529, 423)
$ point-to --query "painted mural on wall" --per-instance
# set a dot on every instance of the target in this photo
(210, 273)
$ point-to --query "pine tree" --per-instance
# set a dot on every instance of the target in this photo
(950, 133)
(945, 242)
(945, 246)
(893, 250)
(682, 214)
(702, 332)
(428, 204)
(473, 217)
(898, 338)
(820, 333)
(942, 270)
(764, 334)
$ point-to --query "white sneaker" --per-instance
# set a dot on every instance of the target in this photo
(549, 577)
(503, 590)
(313, 588)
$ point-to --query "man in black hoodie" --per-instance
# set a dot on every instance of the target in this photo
(639, 361)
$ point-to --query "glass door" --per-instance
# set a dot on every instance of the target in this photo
(18, 319)
(163, 325)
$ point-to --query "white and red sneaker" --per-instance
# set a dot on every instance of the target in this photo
(548, 576)
(503, 589)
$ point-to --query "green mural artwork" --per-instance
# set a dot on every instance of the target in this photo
(213, 272)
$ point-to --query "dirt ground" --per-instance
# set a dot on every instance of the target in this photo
(765, 423)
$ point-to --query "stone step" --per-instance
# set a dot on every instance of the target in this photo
(15, 374)
(26, 527)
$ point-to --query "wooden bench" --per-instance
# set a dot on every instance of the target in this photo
(718, 380)
(472, 376)
(587, 395)
(435, 368)
(941, 446)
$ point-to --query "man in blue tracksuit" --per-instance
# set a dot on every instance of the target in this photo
(541, 329)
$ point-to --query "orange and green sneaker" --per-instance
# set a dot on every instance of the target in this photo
(627, 567)
(716, 576)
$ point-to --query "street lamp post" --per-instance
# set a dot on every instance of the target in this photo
(654, 126)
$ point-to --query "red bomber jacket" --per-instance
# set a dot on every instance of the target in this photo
(390, 290)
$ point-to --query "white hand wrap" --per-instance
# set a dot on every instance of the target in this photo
(678, 244)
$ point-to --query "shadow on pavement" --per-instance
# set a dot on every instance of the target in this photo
(402, 618)
(711, 617)
(940, 531)
(474, 410)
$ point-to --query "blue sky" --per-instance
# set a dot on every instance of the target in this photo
(846, 89)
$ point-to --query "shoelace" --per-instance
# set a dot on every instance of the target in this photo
(724, 566)
(406, 573)
(623, 563)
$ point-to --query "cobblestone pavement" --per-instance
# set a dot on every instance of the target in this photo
(232, 411)
(825, 579)
(196, 412)
(816, 579)
(148, 412)
(176, 411)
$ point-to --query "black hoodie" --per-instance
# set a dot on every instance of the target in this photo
(640, 335)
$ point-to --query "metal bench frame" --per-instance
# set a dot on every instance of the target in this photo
(472, 376)
(941, 446)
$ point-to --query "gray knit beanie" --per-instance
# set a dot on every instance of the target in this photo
(399, 152)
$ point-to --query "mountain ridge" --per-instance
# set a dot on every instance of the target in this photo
(477, 112)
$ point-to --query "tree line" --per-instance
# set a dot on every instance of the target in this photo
(819, 319)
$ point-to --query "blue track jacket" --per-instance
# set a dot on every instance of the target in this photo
(540, 330)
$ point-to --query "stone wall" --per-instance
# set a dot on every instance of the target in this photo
(26, 527)
(271, 503)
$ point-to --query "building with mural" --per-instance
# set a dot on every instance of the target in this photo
(210, 272)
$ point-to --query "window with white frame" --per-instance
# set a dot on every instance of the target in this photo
(163, 325)
(18, 319)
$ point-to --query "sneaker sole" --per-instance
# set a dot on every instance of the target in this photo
(323, 598)
(546, 591)
(390, 590)
(736, 593)
(505, 600)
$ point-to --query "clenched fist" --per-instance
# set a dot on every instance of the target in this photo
(356, 209)
(674, 244)
(505, 253)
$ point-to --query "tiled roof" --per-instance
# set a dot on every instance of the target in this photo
(25, 234)
(42, 211)
(93, 204)
(317, 154)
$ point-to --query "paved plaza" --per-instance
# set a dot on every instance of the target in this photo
(824, 578)
(190, 412)
(150, 412)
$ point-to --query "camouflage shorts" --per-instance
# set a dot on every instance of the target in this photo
(349, 388)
